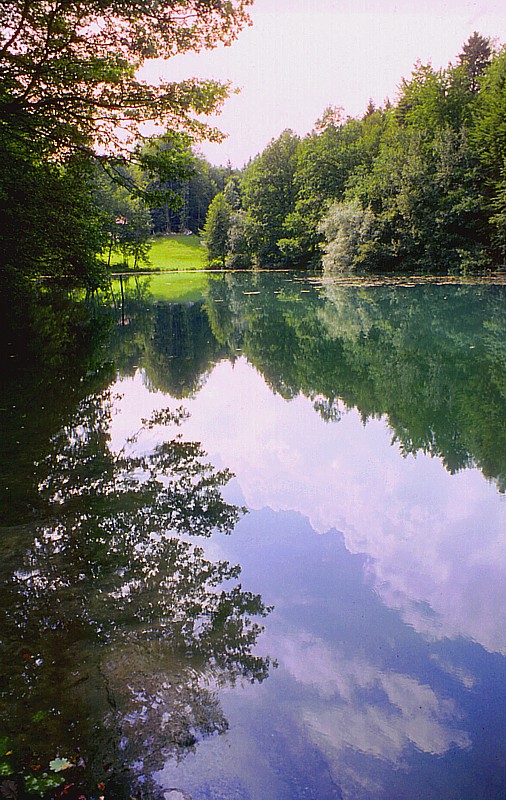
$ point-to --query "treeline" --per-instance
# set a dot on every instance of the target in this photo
(416, 185)
(419, 184)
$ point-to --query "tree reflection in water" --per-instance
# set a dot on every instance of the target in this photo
(430, 358)
(117, 628)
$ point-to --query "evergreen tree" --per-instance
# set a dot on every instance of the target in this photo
(475, 58)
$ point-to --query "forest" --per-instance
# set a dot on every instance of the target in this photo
(416, 185)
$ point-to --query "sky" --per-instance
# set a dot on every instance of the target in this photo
(300, 56)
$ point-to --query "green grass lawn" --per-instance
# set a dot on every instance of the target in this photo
(172, 253)
(176, 252)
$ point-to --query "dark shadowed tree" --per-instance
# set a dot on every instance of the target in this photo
(475, 58)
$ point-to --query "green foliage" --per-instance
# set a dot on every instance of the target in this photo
(69, 70)
(269, 196)
(233, 193)
(432, 100)
(48, 224)
(179, 196)
(240, 241)
(40, 783)
(489, 137)
(327, 159)
(216, 230)
(425, 185)
(415, 169)
(168, 158)
(70, 96)
(426, 202)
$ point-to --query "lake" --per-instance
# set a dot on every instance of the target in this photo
(254, 543)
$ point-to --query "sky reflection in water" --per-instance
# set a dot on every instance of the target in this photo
(125, 635)
(388, 579)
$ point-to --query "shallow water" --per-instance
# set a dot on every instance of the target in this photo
(346, 446)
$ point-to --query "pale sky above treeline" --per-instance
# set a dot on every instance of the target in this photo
(300, 56)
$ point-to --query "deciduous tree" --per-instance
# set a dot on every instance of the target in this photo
(216, 230)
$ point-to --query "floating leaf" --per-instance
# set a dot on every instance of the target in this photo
(59, 764)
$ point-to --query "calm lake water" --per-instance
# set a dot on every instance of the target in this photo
(254, 545)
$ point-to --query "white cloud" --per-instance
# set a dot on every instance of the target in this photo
(353, 704)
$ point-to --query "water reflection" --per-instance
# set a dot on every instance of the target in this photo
(117, 630)
(360, 706)
(130, 641)
(390, 635)
(172, 341)
(434, 539)
(375, 712)
(430, 362)
(431, 358)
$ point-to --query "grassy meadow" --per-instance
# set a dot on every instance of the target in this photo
(170, 253)
(177, 252)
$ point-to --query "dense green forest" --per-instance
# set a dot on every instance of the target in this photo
(419, 184)
(415, 185)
